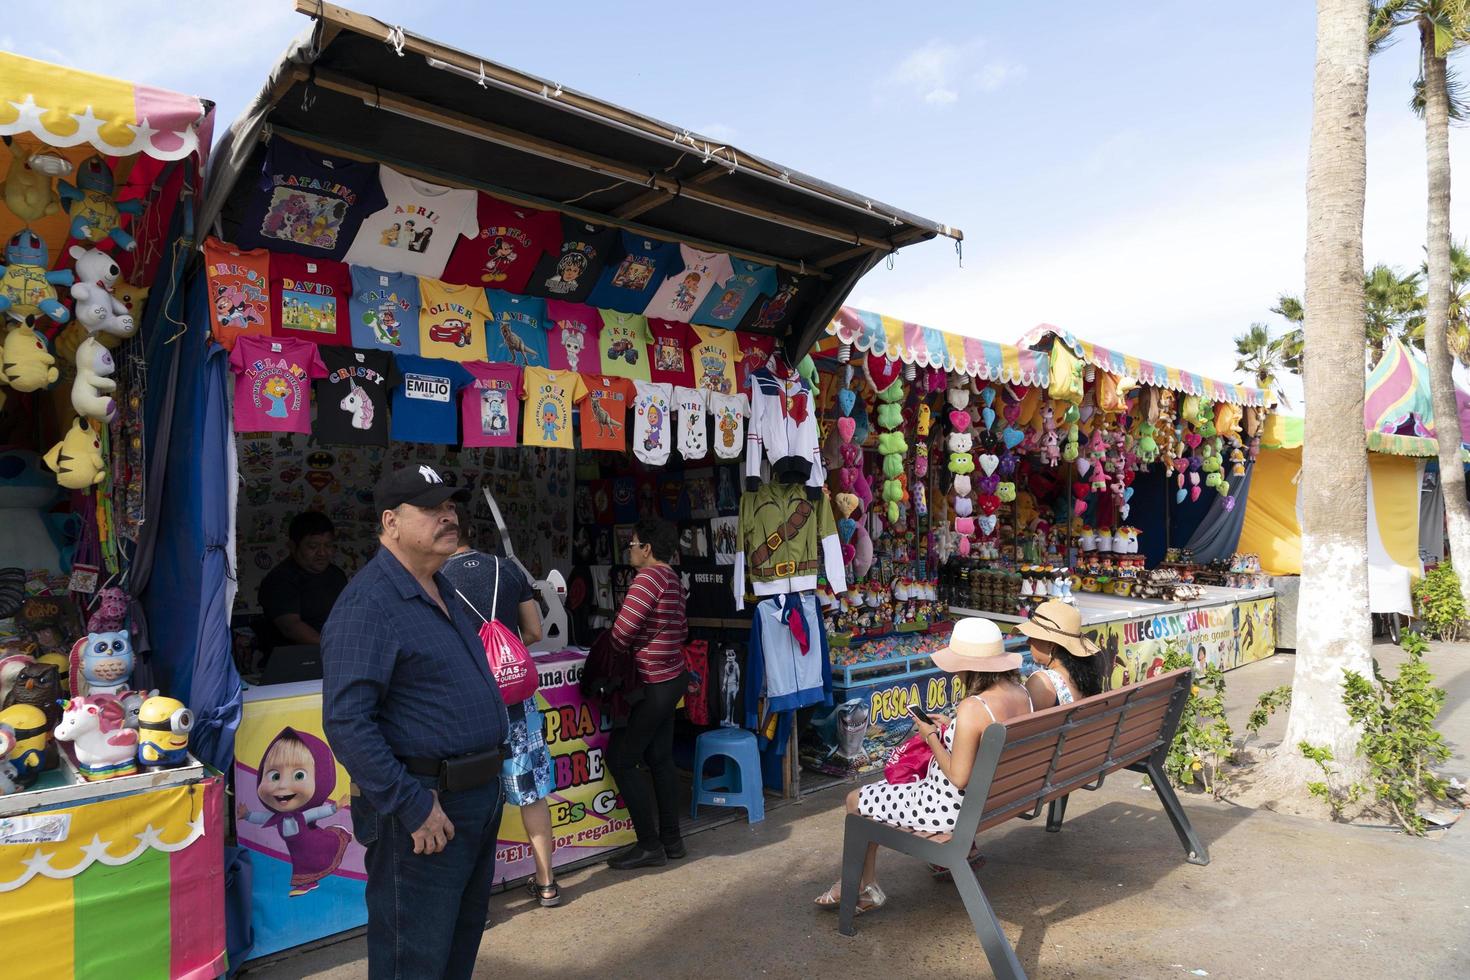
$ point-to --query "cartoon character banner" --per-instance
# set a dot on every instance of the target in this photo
(868, 720)
(1255, 631)
(1207, 635)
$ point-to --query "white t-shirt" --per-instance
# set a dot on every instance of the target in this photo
(652, 424)
(730, 412)
(692, 408)
(417, 230)
(680, 295)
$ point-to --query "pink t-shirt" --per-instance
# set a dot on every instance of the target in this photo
(572, 331)
(491, 405)
(273, 377)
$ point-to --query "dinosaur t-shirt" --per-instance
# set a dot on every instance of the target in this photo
(425, 400)
(671, 352)
(239, 291)
(490, 407)
(385, 310)
(273, 378)
(309, 203)
(570, 272)
(623, 345)
(310, 299)
(572, 330)
(715, 357)
(680, 295)
(417, 228)
(629, 282)
(509, 243)
(604, 408)
(517, 333)
(352, 400)
(549, 397)
(453, 321)
(727, 305)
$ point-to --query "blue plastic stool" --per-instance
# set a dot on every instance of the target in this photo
(740, 782)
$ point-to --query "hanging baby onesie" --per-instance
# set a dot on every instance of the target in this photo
(651, 422)
(692, 408)
(730, 413)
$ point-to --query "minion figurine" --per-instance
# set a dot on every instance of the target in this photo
(33, 751)
(163, 733)
(62, 664)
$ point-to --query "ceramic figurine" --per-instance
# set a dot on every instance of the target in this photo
(103, 744)
(163, 733)
(40, 685)
(33, 751)
(102, 663)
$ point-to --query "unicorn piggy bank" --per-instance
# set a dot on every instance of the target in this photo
(103, 744)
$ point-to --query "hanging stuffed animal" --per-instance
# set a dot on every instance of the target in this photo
(28, 192)
(97, 308)
(26, 364)
(77, 458)
(91, 392)
(27, 288)
(95, 215)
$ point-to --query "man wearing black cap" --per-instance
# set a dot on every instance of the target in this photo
(414, 714)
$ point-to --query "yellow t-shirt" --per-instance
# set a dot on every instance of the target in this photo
(549, 397)
(452, 321)
(715, 357)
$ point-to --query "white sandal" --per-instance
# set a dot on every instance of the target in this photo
(872, 895)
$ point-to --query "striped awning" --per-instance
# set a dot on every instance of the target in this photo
(913, 343)
(1149, 372)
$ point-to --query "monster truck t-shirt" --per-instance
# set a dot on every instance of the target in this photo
(352, 400)
(453, 321)
(425, 400)
(623, 345)
(491, 405)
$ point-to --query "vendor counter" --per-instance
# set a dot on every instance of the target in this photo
(308, 883)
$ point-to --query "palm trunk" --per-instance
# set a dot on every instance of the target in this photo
(1334, 632)
(1437, 311)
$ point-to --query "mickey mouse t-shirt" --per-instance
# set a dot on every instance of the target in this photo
(571, 339)
(509, 243)
(452, 321)
(628, 283)
(517, 332)
(491, 405)
(727, 305)
(311, 299)
(604, 409)
(385, 310)
(570, 272)
(671, 352)
(549, 397)
(309, 203)
(352, 400)
(273, 378)
(417, 228)
(623, 345)
(680, 295)
(714, 360)
(425, 400)
(239, 291)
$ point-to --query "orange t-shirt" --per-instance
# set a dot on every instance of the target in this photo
(604, 405)
(239, 291)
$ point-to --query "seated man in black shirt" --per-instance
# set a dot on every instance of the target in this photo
(298, 594)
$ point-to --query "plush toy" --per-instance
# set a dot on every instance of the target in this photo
(27, 288)
(1006, 491)
(1237, 461)
(924, 421)
(163, 733)
(890, 415)
(91, 392)
(892, 443)
(77, 458)
(103, 745)
(958, 392)
(96, 307)
(135, 298)
(959, 445)
(961, 485)
(962, 506)
(862, 560)
(95, 215)
(102, 663)
(921, 460)
(28, 191)
(25, 362)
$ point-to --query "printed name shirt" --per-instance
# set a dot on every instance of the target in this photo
(425, 400)
(517, 333)
(715, 357)
(671, 352)
(629, 282)
(755, 353)
(416, 229)
(311, 299)
(692, 407)
(309, 203)
(239, 291)
(680, 295)
(570, 272)
(384, 309)
(273, 378)
(572, 334)
(491, 405)
(623, 345)
(727, 305)
(729, 413)
(505, 249)
(453, 321)
(773, 314)
(652, 423)
(549, 397)
(352, 400)
(604, 409)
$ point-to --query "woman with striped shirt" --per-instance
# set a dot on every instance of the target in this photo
(652, 629)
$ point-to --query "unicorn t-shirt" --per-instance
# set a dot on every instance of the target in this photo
(352, 400)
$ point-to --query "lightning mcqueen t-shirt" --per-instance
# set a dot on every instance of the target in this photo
(426, 400)
(352, 400)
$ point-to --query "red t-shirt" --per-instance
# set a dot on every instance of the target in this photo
(310, 297)
(490, 407)
(670, 357)
(604, 411)
(510, 242)
(755, 350)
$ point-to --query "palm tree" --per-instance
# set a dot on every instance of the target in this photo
(1443, 25)
(1259, 356)
(1290, 307)
(1458, 328)
(1392, 308)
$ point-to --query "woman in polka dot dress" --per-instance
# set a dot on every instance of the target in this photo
(991, 680)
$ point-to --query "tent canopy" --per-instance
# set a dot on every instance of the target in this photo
(930, 347)
(356, 86)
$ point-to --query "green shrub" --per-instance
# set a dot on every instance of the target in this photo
(1439, 604)
(1203, 743)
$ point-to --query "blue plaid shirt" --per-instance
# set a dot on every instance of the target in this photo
(401, 680)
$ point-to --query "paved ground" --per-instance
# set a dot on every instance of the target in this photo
(1111, 896)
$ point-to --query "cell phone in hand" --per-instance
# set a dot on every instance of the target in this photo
(918, 713)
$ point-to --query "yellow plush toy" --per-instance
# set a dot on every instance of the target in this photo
(133, 297)
(25, 361)
(77, 458)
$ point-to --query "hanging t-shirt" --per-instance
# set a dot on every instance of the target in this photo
(273, 378)
(652, 425)
(623, 345)
(604, 409)
(572, 332)
(691, 405)
(774, 313)
(453, 321)
(727, 305)
(239, 291)
(680, 295)
(549, 397)
(671, 352)
(311, 299)
(491, 405)
(755, 351)
(570, 272)
(729, 413)
(517, 333)
(352, 400)
(309, 203)
(385, 310)
(425, 400)
(417, 228)
(714, 360)
(509, 243)
(628, 283)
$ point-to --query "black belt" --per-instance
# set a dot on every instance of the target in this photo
(461, 772)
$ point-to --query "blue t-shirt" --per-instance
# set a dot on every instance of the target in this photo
(628, 284)
(517, 331)
(385, 310)
(426, 400)
(726, 305)
(309, 203)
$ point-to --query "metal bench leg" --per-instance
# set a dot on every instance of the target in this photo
(854, 852)
(998, 949)
(1055, 814)
(1193, 846)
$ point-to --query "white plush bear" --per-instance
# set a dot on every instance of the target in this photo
(959, 442)
(91, 392)
(97, 309)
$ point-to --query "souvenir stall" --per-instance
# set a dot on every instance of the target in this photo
(111, 832)
(415, 257)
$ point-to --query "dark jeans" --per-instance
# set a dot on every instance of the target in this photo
(426, 912)
(641, 758)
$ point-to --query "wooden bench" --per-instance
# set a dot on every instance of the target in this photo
(1036, 760)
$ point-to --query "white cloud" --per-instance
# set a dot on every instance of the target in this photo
(939, 72)
(997, 74)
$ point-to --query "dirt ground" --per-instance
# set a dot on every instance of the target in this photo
(1110, 896)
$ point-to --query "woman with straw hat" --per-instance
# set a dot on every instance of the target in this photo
(1070, 667)
(993, 692)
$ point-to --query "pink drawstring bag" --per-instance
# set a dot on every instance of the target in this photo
(909, 761)
(509, 661)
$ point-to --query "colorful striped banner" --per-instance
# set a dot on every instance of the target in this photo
(913, 343)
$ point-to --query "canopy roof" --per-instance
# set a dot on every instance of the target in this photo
(359, 87)
(1148, 372)
(930, 347)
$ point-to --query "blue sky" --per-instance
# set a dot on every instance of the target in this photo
(1134, 173)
